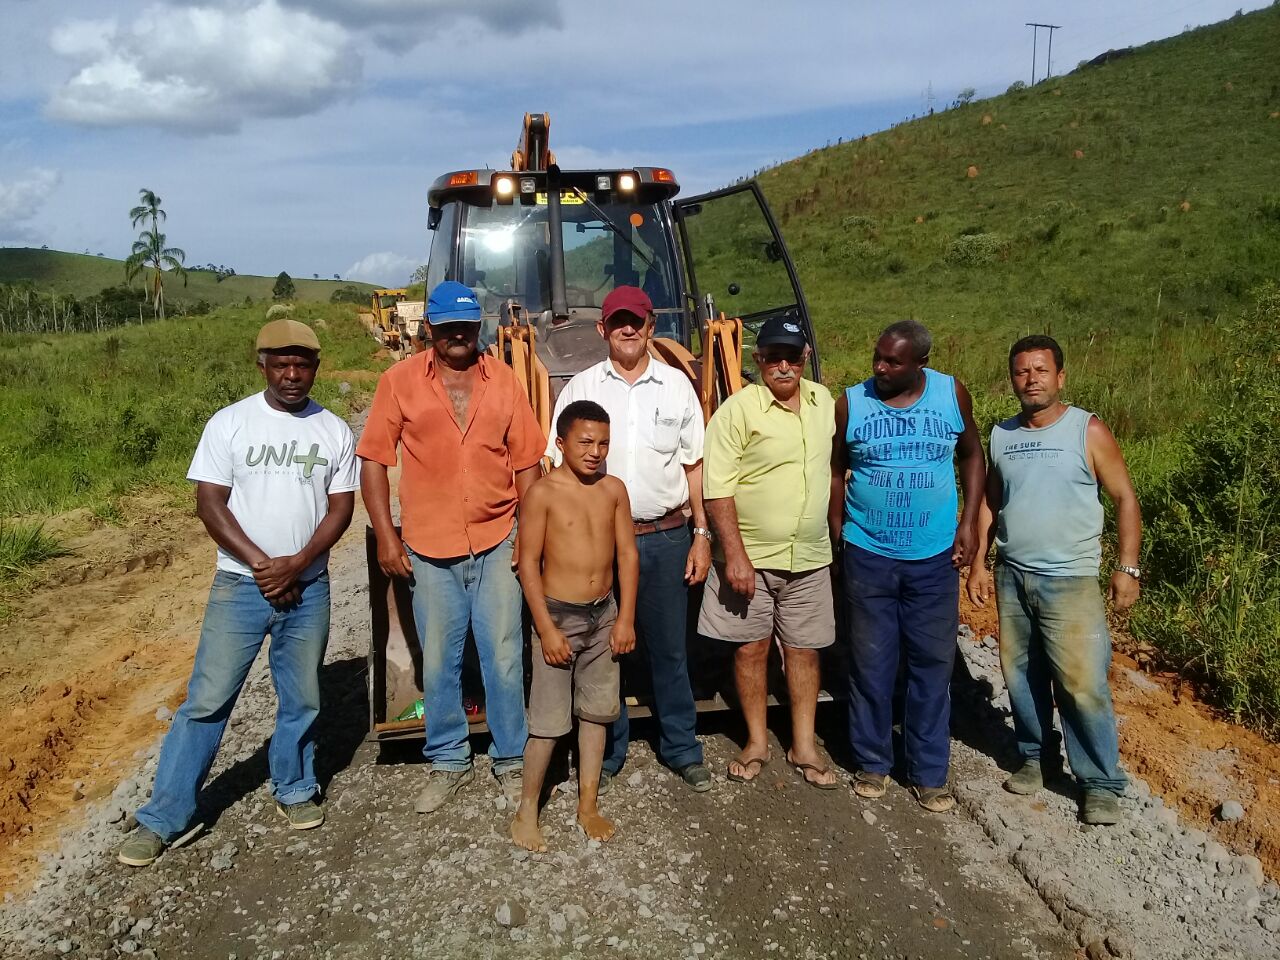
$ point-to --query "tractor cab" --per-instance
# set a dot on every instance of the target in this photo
(541, 247)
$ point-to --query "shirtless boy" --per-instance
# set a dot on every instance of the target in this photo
(574, 522)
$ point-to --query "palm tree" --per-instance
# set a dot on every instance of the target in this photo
(149, 250)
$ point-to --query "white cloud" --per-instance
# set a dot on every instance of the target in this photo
(203, 69)
(22, 198)
(387, 268)
(403, 24)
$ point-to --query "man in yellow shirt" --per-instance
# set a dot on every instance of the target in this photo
(766, 485)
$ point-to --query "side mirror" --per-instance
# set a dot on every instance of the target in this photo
(608, 269)
(772, 251)
(734, 289)
(434, 216)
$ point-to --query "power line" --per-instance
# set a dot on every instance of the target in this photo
(1035, 35)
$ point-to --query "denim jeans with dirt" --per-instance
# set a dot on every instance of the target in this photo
(236, 623)
(1055, 646)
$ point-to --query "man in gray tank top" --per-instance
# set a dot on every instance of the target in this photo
(1043, 509)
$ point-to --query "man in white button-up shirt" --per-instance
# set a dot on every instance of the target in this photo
(656, 450)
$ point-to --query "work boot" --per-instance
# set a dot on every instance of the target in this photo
(141, 848)
(441, 787)
(1100, 807)
(696, 776)
(1028, 779)
(304, 815)
(511, 783)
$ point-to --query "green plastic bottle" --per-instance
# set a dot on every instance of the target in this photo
(414, 711)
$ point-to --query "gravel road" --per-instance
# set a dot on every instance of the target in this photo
(775, 868)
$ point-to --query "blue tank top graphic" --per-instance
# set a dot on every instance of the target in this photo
(901, 499)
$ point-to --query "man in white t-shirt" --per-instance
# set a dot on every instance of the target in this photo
(656, 451)
(275, 477)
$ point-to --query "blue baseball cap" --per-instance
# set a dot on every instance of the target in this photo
(453, 302)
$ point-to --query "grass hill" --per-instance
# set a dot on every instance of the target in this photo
(1129, 209)
(1132, 211)
(81, 275)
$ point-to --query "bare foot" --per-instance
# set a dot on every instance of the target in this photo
(595, 826)
(526, 833)
(746, 768)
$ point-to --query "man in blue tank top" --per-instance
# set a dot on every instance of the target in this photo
(898, 435)
(1042, 491)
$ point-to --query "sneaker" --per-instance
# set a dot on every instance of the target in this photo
(511, 783)
(1028, 779)
(697, 776)
(441, 787)
(304, 815)
(1101, 808)
(934, 799)
(141, 848)
(606, 781)
(870, 786)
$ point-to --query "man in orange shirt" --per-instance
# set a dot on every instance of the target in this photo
(470, 447)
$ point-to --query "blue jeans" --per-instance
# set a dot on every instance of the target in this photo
(1054, 643)
(662, 607)
(479, 591)
(897, 606)
(236, 622)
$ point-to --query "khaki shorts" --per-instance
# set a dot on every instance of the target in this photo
(588, 686)
(797, 608)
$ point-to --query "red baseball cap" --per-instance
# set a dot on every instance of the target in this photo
(630, 300)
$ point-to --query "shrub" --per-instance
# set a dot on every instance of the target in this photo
(859, 222)
(1269, 210)
(975, 249)
(283, 289)
(349, 294)
(896, 263)
(1213, 532)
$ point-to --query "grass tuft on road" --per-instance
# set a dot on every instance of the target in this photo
(23, 546)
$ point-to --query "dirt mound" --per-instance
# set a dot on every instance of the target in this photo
(1197, 761)
(88, 658)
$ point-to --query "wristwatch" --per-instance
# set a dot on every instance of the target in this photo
(1131, 571)
(703, 532)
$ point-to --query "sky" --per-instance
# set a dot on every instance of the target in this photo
(302, 135)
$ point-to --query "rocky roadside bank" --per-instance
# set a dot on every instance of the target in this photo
(1152, 886)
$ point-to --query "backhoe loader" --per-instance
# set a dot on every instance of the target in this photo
(542, 246)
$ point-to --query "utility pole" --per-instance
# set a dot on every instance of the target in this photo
(1035, 35)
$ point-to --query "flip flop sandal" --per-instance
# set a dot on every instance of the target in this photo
(933, 799)
(761, 763)
(870, 786)
(800, 768)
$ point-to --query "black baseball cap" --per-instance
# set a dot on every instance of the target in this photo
(781, 330)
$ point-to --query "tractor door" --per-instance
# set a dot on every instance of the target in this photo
(735, 255)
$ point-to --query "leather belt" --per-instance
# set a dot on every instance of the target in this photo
(668, 521)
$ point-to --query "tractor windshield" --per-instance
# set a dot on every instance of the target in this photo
(506, 249)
